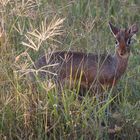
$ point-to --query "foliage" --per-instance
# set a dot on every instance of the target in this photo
(30, 28)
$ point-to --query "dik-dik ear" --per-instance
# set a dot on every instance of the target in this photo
(113, 29)
(133, 29)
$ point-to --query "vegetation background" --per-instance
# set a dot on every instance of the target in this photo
(31, 27)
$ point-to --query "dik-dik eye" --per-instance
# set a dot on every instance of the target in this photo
(116, 42)
(128, 41)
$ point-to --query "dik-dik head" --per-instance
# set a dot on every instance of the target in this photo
(123, 38)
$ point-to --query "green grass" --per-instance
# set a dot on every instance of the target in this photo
(42, 113)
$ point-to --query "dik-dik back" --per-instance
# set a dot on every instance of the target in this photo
(89, 68)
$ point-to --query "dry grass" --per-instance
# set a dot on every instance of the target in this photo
(28, 29)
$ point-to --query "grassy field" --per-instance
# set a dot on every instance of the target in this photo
(29, 28)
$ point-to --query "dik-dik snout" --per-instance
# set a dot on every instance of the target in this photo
(123, 38)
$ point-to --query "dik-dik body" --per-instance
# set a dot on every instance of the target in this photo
(89, 68)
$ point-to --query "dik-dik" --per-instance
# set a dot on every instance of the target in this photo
(88, 68)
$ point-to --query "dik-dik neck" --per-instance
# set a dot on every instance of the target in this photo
(121, 63)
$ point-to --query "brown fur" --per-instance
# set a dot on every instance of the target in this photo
(89, 67)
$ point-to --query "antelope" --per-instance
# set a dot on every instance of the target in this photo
(88, 67)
